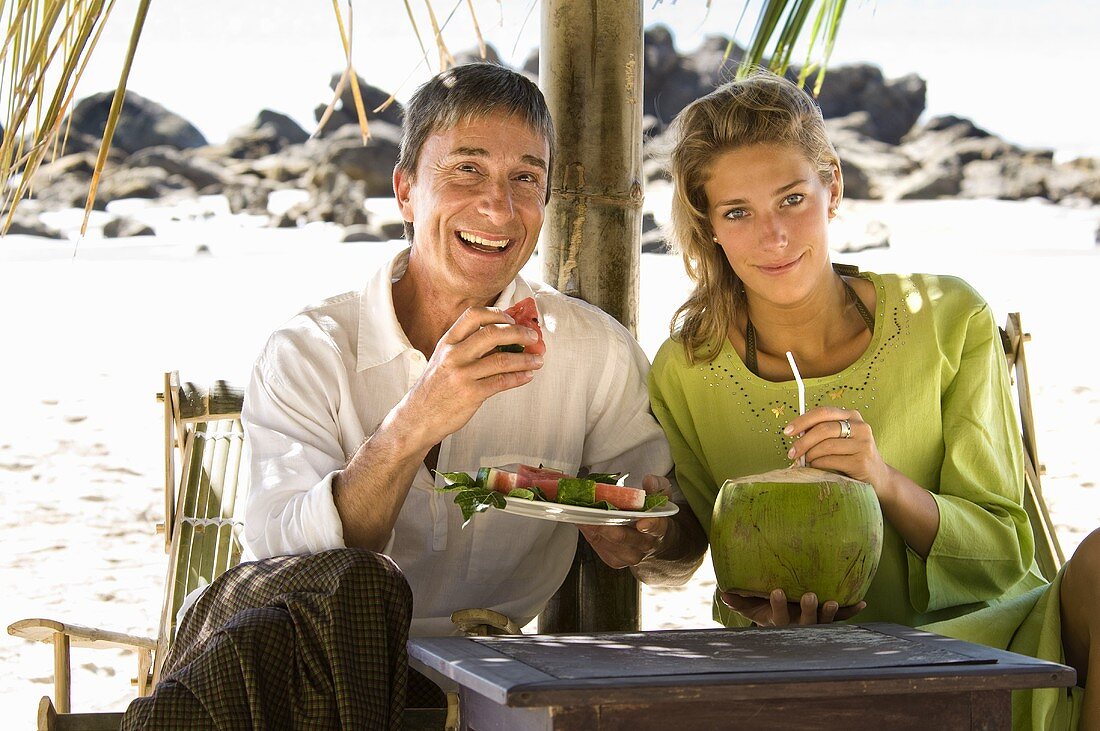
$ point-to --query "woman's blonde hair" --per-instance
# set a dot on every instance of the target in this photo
(760, 109)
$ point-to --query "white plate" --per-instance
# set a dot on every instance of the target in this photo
(584, 516)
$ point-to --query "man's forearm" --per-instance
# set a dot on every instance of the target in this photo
(370, 491)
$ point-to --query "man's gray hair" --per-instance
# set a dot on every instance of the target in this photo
(464, 93)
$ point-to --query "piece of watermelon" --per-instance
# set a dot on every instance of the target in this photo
(501, 480)
(525, 313)
(621, 496)
(540, 477)
(507, 478)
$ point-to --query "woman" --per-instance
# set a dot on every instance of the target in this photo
(906, 389)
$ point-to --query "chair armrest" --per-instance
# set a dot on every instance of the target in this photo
(44, 630)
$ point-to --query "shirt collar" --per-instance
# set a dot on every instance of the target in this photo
(381, 338)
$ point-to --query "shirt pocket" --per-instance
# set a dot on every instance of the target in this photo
(506, 547)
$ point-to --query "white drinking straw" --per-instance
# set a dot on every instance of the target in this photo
(801, 396)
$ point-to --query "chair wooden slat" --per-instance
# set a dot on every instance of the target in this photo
(44, 630)
(204, 485)
(1048, 550)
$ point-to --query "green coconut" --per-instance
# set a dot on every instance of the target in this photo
(800, 530)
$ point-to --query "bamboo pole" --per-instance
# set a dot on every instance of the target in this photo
(590, 70)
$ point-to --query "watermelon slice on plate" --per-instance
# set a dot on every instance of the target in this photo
(508, 478)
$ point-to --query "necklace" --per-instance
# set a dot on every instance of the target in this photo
(750, 330)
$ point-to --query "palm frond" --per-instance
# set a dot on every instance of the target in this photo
(349, 73)
(41, 35)
(781, 25)
(116, 111)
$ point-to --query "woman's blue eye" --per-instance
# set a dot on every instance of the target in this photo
(793, 199)
(736, 213)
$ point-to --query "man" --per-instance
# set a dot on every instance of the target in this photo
(356, 403)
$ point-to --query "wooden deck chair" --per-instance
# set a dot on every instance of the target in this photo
(203, 498)
(1048, 551)
(203, 494)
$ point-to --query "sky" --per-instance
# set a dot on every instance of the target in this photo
(1024, 70)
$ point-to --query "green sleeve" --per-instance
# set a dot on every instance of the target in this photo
(670, 405)
(984, 545)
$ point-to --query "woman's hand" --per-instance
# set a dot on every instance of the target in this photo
(776, 611)
(839, 440)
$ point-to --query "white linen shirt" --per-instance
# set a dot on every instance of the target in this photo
(325, 381)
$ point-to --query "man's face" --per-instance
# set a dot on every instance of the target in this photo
(476, 203)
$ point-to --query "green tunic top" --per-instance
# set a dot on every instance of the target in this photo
(933, 385)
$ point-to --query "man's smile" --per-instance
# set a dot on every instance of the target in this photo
(483, 242)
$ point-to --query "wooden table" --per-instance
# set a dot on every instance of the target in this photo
(851, 677)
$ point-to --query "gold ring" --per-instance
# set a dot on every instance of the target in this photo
(845, 429)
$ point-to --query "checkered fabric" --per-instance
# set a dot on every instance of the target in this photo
(293, 642)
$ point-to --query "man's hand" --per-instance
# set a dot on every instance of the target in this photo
(776, 611)
(620, 546)
(464, 371)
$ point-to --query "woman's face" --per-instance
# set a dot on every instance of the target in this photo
(770, 212)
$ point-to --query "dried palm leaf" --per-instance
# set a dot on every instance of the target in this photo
(349, 72)
(116, 110)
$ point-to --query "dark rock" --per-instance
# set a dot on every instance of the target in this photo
(392, 230)
(473, 55)
(360, 232)
(199, 172)
(1006, 179)
(857, 185)
(894, 105)
(880, 164)
(928, 141)
(653, 242)
(958, 127)
(985, 148)
(649, 223)
(269, 133)
(334, 198)
(81, 164)
(286, 128)
(282, 167)
(26, 223)
(124, 226)
(860, 123)
(1069, 182)
(672, 81)
(142, 123)
(682, 86)
(943, 180)
(654, 170)
(344, 113)
(531, 65)
(372, 163)
(67, 192)
(253, 143)
(248, 194)
(137, 183)
(660, 59)
(712, 64)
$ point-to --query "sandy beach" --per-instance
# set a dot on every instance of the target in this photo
(88, 337)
